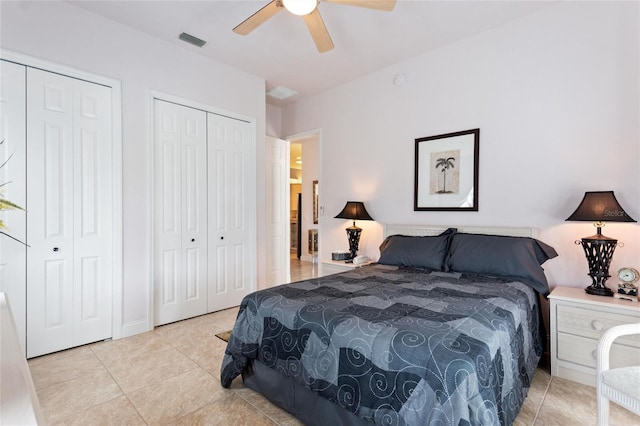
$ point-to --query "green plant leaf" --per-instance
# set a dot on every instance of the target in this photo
(9, 205)
(6, 204)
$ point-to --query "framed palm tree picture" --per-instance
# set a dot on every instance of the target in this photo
(446, 172)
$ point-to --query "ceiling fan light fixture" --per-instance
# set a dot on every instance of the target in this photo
(300, 7)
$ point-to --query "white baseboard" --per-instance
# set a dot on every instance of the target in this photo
(135, 327)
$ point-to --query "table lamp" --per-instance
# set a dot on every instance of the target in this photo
(598, 207)
(354, 210)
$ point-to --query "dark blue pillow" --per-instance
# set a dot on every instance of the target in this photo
(420, 252)
(516, 258)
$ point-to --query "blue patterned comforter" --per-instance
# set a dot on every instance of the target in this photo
(397, 346)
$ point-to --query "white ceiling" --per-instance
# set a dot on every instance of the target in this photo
(281, 50)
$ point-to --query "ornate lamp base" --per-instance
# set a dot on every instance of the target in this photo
(353, 234)
(599, 250)
(599, 291)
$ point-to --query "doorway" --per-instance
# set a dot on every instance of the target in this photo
(295, 203)
(304, 221)
(287, 226)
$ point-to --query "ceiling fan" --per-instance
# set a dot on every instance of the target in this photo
(308, 9)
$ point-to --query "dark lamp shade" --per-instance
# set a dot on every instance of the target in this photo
(354, 210)
(600, 206)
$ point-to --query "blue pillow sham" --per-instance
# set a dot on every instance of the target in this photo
(422, 252)
(517, 258)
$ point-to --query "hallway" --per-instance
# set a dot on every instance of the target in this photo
(302, 270)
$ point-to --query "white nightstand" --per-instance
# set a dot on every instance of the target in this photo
(336, 266)
(578, 320)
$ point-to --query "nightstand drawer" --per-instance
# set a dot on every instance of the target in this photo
(582, 350)
(592, 323)
(329, 267)
(578, 320)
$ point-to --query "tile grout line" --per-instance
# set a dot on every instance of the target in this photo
(126, 395)
(257, 408)
(217, 380)
(544, 397)
(119, 387)
(105, 369)
(172, 346)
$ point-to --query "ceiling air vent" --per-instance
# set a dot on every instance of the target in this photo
(192, 40)
(281, 92)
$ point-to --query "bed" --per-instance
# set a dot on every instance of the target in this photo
(444, 330)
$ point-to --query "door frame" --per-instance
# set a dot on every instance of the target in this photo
(151, 96)
(116, 162)
(317, 132)
(286, 228)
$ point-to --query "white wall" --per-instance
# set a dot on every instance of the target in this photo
(61, 33)
(556, 97)
(274, 120)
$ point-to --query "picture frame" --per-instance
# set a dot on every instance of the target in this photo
(315, 202)
(446, 172)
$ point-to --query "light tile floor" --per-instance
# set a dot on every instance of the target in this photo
(302, 270)
(171, 376)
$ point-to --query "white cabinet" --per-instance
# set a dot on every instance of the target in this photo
(204, 211)
(61, 290)
(578, 320)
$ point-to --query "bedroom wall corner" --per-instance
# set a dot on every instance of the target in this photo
(556, 96)
(274, 120)
(85, 41)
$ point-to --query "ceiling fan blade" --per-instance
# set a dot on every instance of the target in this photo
(318, 31)
(386, 5)
(259, 18)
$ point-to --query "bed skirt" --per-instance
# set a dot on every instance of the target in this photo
(294, 398)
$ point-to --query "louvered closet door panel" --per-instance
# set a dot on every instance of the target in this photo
(231, 247)
(69, 200)
(13, 254)
(181, 212)
(50, 219)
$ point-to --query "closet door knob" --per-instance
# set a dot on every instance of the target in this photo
(193, 239)
(222, 238)
(56, 249)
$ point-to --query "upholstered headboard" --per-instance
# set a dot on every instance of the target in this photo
(426, 230)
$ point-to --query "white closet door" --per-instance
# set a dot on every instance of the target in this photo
(232, 211)
(181, 212)
(13, 255)
(277, 214)
(69, 221)
(93, 227)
